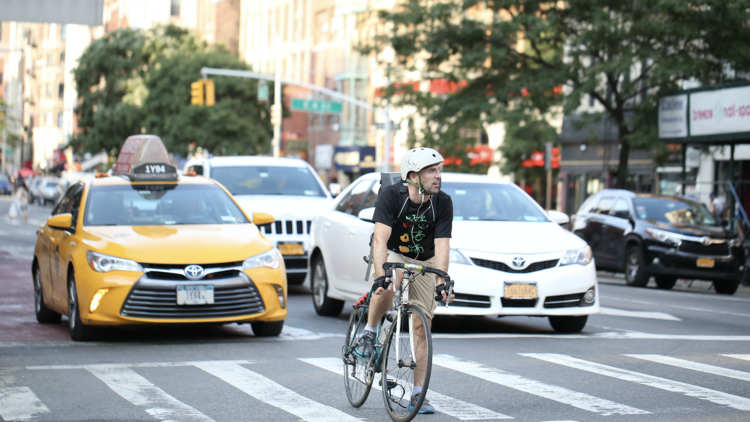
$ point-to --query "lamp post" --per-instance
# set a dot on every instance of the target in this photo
(5, 110)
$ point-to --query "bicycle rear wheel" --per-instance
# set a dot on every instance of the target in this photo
(357, 374)
(407, 362)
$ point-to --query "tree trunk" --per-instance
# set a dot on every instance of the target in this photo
(622, 166)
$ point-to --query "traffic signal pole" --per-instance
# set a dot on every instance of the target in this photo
(277, 102)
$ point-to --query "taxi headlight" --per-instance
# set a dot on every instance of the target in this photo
(578, 256)
(457, 257)
(105, 263)
(270, 259)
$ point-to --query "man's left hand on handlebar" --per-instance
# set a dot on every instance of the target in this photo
(441, 291)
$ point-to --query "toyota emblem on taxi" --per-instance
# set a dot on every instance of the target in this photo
(518, 261)
(194, 272)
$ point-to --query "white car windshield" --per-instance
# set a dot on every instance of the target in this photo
(160, 204)
(268, 180)
(491, 202)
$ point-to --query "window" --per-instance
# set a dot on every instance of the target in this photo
(621, 209)
(268, 180)
(372, 197)
(63, 32)
(350, 204)
(48, 90)
(605, 205)
(70, 203)
(197, 169)
(50, 58)
(49, 118)
(60, 91)
(60, 120)
(1, 78)
(286, 23)
(492, 202)
(52, 34)
(321, 27)
(62, 59)
(174, 9)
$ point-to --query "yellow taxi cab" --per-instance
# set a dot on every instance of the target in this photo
(147, 245)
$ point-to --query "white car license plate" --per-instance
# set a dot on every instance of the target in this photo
(195, 295)
(518, 290)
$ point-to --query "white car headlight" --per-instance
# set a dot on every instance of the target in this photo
(105, 263)
(457, 257)
(270, 259)
(664, 236)
(577, 256)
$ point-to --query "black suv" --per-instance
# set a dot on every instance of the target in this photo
(665, 237)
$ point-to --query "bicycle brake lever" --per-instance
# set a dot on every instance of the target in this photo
(450, 293)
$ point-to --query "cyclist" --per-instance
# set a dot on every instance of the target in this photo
(413, 223)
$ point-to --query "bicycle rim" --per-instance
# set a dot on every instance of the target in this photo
(357, 377)
(406, 360)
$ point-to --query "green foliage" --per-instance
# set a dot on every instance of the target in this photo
(132, 82)
(8, 121)
(623, 54)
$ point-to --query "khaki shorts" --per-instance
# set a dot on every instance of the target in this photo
(421, 288)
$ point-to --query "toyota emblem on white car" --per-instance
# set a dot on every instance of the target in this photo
(518, 261)
(194, 272)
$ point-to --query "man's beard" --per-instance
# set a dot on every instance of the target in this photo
(432, 190)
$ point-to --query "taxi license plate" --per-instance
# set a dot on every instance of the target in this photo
(520, 290)
(291, 249)
(705, 262)
(195, 295)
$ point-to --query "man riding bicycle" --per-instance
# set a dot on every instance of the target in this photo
(413, 223)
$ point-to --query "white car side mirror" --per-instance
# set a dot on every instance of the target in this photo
(367, 214)
(558, 217)
(335, 189)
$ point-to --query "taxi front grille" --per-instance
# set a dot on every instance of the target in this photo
(217, 271)
(156, 302)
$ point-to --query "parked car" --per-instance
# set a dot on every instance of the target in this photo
(664, 237)
(34, 184)
(6, 187)
(287, 188)
(508, 257)
(48, 190)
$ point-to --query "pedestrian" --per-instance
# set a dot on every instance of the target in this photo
(21, 202)
(717, 208)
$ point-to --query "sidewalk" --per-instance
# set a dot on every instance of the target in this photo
(682, 285)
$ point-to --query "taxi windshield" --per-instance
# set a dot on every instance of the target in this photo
(160, 204)
(491, 202)
(268, 180)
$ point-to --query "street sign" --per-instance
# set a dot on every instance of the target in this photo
(262, 90)
(316, 106)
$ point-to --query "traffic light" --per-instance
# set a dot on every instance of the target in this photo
(276, 114)
(196, 93)
(210, 98)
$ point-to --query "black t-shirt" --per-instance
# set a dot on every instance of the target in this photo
(414, 228)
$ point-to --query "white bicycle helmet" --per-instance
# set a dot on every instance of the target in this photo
(418, 158)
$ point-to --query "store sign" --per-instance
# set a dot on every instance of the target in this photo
(719, 112)
(673, 116)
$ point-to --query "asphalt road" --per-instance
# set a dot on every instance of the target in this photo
(650, 356)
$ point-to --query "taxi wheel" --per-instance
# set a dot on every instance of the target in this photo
(324, 305)
(43, 314)
(78, 331)
(267, 328)
(568, 324)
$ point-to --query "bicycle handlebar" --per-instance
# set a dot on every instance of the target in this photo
(390, 266)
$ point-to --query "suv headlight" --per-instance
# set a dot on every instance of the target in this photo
(105, 263)
(664, 236)
(270, 259)
(457, 257)
(577, 256)
(735, 243)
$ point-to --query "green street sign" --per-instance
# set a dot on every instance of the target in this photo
(315, 106)
(263, 91)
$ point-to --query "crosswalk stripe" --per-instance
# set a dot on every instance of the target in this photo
(141, 392)
(537, 388)
(20, 404)
(695, 366)
(743, 357)
(276, 395)
(459, 409)
(713, 396)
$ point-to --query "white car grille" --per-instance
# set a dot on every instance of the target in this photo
(287, 227)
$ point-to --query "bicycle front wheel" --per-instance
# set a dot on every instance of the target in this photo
(358, 375)
(407, 363)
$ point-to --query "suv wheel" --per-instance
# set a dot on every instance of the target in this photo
(726, 287)
(665, 283)
(324, 305)
(634, 271)
(568, 324)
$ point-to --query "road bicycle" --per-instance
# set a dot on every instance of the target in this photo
(403, 353)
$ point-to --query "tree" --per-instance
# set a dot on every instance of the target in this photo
(533, 57)
(132, 82)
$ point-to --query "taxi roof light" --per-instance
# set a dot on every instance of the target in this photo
(145, 158)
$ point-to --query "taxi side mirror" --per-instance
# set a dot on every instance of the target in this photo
(261, 218)
(60, 221)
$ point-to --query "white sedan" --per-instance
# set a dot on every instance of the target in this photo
(508, 256)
